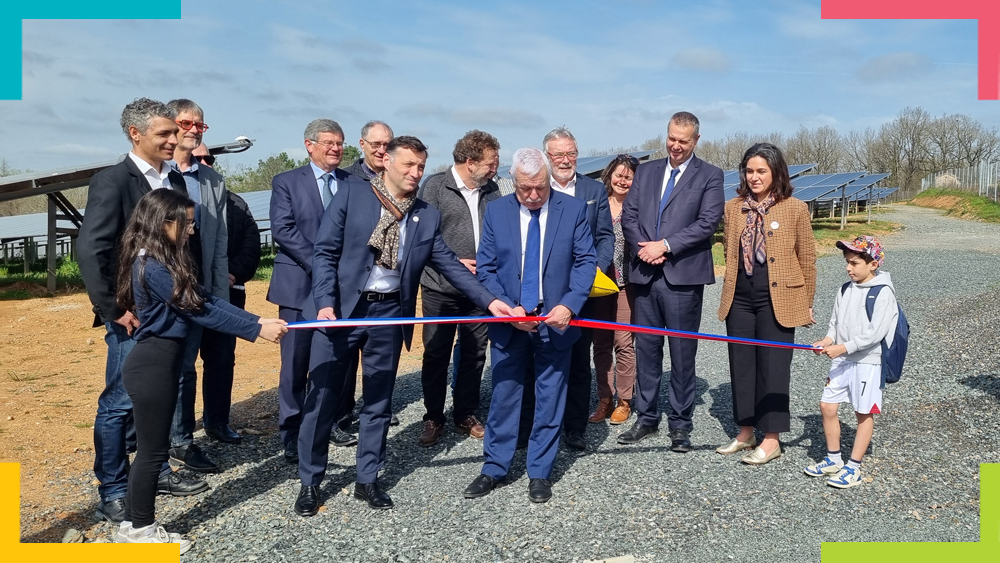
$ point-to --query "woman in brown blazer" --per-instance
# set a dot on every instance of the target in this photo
(768, 291)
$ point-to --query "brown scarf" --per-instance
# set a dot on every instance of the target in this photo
(752, 238)
(385, 237)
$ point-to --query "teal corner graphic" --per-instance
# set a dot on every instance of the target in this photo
(15, 12)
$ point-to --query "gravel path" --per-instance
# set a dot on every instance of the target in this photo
(940, 422)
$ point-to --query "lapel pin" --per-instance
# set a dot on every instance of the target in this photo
(416, 219)
(774, 224)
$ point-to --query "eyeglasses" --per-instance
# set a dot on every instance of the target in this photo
(375, 145)
(623, 158)
(563, 155)
(206, 159)
(328, 144)
(187, 125)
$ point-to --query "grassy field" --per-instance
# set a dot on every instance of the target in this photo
(958, 203)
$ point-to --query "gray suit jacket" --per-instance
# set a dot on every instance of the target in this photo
(213, 233)
(441, 192)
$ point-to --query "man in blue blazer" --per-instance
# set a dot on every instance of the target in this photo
(536, 253)
(372, 246)
(668, 220)
(298, 198)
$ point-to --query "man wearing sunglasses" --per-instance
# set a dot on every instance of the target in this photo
(375, 136)
(209, 245)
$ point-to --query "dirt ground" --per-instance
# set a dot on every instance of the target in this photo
(51, 374)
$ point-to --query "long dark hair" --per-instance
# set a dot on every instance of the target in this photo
(146, 232)
(628, 161)
(781, 185)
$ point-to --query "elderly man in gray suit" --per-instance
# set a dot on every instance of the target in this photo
(209, 245)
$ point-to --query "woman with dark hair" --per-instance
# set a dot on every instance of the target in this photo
(614, 355)
(156, 280)
(768, 291)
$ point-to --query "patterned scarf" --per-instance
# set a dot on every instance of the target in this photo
(752, 238)
(385, 237)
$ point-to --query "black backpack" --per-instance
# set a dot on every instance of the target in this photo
(892, 356)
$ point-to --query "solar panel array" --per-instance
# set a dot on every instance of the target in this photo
(587, 165)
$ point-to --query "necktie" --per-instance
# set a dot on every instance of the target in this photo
(326, 193)
(532, 253)
(666, 196)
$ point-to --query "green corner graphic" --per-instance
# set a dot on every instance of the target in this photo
(15, 12)
(986, 549)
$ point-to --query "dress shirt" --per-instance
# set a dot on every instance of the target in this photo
(677, 179)
(471, 197)
(368, 170)
(525, 216)
(157, 178)
(383, 280)
(320, 181)
(569, 189)
(192, 182)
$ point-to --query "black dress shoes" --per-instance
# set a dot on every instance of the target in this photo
(223, 434)
(635, 434)
(191, 457)
(292, 452)
(539, 490)
(174, 485)
(307, 504)
(679, 441)
(575, 441)
(373, 494)
(343, 439)
(113, 510)
(481, 486)
(393, 420)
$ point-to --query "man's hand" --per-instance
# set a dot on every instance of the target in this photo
(232, 280)
(835, 350)
(527, 326)
(500, 309)
(326, 314)
(128, 321)
(652, 252)
(469, 263)
(559, 317)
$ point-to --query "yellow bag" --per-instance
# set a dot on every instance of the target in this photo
(603, 285)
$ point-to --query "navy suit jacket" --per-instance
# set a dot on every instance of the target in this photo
(689, 220)
(592, 193)
(569, 261)
(342, 259)
(296, 211)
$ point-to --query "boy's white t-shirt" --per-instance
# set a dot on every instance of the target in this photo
(849, 324)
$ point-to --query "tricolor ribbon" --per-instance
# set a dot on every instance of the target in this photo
(583, 323)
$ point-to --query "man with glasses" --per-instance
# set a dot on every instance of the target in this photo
(208, 246)
(204, 156)
(298, 199)
(375, 136)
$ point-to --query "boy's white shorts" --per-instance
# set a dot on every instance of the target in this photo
(854, 383)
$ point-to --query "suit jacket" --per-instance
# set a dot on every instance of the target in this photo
(688, 222)
(592, 193)
(296, 211)
(342, 259)
(357, 170)
(213, 234)
(111, 198)
(791, 259)
(569, 260)
(441, 191)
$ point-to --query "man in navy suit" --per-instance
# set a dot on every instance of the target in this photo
(298, 198)
(560, 147)
(548, 271)
(372, 246)
(668, 220)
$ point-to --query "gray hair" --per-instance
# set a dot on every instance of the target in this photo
(685, 119)
(368, 127)
(530, 162)
(557, 133)
(318, 126)
(182, 104)
(141, 112)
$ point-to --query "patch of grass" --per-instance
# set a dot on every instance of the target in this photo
(718, 254)
(265, 269)
(33, 284)
(827, 231)
(960, 203)
(84, 425)
(15, 295)
(22, 377)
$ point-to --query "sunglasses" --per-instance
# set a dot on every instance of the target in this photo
(206, 159)
(187, 125)
(627, 158)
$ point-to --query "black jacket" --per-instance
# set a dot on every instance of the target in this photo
(357, 170)
(244, 245)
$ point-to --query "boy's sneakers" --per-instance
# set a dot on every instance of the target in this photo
(153, 533)
(824, 468)
(847, 477)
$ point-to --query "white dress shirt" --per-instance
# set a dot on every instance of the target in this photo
(525, 217)
(319, 181)
(677, 179)
(383, 280)
(472, 200)
(569, 189)
(157, 178)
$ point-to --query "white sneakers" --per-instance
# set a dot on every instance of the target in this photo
(153, 533)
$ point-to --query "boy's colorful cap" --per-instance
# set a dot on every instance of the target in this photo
(865, 244)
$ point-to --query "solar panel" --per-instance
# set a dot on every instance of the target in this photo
(808, 181)
(858, 186)
(588, 165)
(800, 169)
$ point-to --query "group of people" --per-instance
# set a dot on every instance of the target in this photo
(166, 246)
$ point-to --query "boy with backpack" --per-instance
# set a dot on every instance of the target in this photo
(863, 329)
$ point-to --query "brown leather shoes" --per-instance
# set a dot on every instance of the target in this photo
(431, 434)
(604, 407)
(472, 427)
(622, 412)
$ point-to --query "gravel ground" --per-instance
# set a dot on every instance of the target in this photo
(940, 423)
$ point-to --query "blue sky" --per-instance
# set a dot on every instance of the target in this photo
(613, 72)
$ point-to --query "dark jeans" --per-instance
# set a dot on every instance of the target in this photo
(114, 429)
(470, 354)
(182, 427)
(150, 377)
